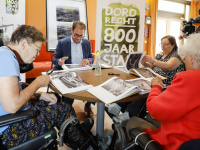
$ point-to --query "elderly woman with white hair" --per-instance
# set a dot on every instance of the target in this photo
(178, 107)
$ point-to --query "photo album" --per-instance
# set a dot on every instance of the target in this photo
(133, 66)
(68, 82)
(114, 89)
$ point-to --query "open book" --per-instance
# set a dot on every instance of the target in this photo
(68, 82)
(76, 67)
(115, 89)
(134, 66)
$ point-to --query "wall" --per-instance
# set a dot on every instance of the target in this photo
(91, 12)
(146, 39)
(36, 15)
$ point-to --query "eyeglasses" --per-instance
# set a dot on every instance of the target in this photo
(164, 44)
(80, 36)
(37, 49)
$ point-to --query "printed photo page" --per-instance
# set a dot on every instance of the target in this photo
(76, 67)
(133, 61)
(113, 90)
(68, 82)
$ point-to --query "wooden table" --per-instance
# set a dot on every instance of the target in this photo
(89, 77)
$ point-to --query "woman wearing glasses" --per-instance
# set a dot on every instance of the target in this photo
(166, 64)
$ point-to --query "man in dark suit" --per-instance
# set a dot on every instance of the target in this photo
(78, 50)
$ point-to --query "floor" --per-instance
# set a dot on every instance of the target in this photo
(81, 115)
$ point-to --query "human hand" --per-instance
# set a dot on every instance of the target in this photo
(157, 81)
(61, 62)
(182, 36)
(148, 59)
(51, 98)
(43, 80)
(85, 62)
(143, 61)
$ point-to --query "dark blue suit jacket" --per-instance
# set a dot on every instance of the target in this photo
(64, 49)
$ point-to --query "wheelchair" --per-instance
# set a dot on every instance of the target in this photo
(49, 140)
(141, 141)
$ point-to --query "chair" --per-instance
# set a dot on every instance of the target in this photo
(48, 139)
(142, 141)
(44, 141)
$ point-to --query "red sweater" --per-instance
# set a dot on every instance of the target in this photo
(178, 109)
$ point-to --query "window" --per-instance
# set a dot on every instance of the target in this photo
(171, 6)
(170, 16)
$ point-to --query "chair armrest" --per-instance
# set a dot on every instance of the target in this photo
(142, 139)
(16, 117)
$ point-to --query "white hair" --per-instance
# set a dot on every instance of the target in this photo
(192, 49)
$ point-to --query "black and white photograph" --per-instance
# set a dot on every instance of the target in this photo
(114, 89)
(67, 13)
(76, 67)
(117, 86)
(68, 82)
(133, 61)
(146, 73)
(72, 82)
(58, 74)
(143, 84)
(60, 15)
(63, 30)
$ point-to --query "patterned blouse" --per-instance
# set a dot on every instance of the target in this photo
(168, 74)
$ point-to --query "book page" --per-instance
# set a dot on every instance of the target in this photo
(68, 82)
(62, 73)
(134, 60)
(75, 67)
(113, 89)
(145, 73)
(144, 84)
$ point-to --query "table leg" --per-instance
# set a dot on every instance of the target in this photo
(100, 119)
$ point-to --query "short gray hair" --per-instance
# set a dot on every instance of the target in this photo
(192, 49)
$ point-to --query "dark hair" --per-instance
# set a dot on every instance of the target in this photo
(172, 41)
(30, 33)
(78, 23)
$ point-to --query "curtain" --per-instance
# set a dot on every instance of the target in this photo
(152, 32)
(194, 10)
